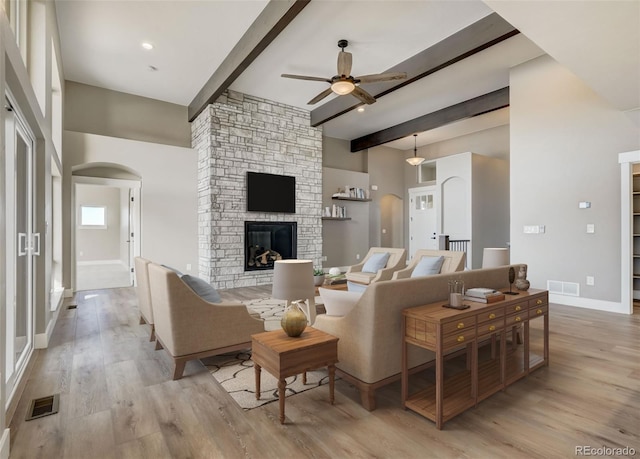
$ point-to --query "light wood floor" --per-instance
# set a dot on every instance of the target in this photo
(118, 400)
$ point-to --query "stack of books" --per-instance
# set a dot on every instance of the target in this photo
(483, 295)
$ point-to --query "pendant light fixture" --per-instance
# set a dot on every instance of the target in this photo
(415, 160)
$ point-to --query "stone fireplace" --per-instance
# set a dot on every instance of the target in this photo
(267, 242)
(240, 133)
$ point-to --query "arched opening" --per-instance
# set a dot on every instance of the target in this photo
(391, 221)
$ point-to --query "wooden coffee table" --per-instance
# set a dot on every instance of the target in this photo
(283, 356)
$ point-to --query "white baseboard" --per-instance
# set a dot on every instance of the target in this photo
(101, 262)
(42, 339)
(589, 303)
(4, 444)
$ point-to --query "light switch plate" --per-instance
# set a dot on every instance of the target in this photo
(591, 228)
(590, 280)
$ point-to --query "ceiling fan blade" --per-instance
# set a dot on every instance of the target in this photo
(320, 96)
(363, 95)
(382, 77)
(304, 77)
(344, 63)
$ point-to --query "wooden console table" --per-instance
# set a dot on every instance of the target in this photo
(445, 331)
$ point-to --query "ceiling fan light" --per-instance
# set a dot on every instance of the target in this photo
(342, 87)
(415, 160)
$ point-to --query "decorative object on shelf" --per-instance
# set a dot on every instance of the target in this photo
(293, 281)
(512, 277)
(294, 320)
(456, 292)
(318, 277)
(415, 160)
(521, 282)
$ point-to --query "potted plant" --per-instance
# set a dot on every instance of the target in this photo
(318, 277)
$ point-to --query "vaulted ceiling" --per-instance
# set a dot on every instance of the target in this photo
(101, 45)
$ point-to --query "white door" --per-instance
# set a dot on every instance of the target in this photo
(22, 246)
(423, 213)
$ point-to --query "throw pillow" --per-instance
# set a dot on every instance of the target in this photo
(376, 262)
(202, 288)
(427, 266)
(338, 302)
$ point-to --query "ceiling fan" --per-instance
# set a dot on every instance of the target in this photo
(344, 83)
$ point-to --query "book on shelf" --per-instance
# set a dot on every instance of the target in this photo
(479, 292)
(493, 298)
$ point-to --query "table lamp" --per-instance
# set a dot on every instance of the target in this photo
(293, 280)
(492, 257)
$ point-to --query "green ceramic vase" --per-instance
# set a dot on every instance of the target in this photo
(294, 320)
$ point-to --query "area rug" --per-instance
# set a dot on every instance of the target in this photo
(234, 371)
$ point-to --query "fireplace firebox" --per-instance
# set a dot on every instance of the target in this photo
(267, 242)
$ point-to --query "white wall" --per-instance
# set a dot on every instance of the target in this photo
(97, 244)
(168, 194)
(564, 145)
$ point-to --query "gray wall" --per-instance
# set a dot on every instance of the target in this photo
(93, 244)
(336, 154)
(565, 142)
(115, 114)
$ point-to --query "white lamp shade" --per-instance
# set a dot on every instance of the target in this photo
(293, 280)
(495, 256)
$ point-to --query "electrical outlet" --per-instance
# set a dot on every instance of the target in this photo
(590, 280)
(591, 228)
(188, 266)
(357, 256)
(324, 258)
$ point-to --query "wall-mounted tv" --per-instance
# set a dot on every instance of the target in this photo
(271, 193)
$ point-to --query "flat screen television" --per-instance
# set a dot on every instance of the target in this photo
(271, 193)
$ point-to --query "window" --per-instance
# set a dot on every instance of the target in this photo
(93, 217)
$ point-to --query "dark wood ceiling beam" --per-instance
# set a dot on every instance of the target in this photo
(472, 107)
(486, 32)
(273, 19)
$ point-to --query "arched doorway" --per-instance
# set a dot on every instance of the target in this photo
(391, 221)
(106, 229)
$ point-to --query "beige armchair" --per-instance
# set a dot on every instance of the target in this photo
(189, 327)
(397, 260)
(453, 261)
(143, 293)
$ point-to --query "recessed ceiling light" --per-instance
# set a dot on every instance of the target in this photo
(147, 45)
(360, 109)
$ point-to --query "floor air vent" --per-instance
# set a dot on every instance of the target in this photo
(72, 306)
(43, 407)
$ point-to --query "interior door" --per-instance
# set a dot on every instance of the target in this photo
(423, 215)
(22, 245)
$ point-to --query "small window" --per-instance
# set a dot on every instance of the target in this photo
(93, 217)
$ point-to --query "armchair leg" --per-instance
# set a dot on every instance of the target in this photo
(142, 321)
(158, 345)
(368, 398)
(153, 333)
(179, 369)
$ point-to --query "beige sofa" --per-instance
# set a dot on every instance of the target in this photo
(370, 345)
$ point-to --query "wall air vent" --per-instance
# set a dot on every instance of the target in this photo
(563, 288)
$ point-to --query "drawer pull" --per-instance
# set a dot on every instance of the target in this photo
(517, 308)
(460, 338)
(492, 327)
(460, 325)
(539, 311)
(492, 316)
(539, 302)
(517, 319)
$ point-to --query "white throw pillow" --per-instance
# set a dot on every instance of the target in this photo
(428, 266)
(338, 302)
(376, 262)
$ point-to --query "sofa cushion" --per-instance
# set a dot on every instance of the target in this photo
(428, 266)
(338, 302)
(376, 262)
(202, 288)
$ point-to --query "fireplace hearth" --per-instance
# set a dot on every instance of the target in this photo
(267, 242)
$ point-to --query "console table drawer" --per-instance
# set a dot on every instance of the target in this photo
(516, 319)
(458, 339)
(538, 311)
(537, 302)
(490, 315)
(459, 325)
(489, 328)
(517, 307)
